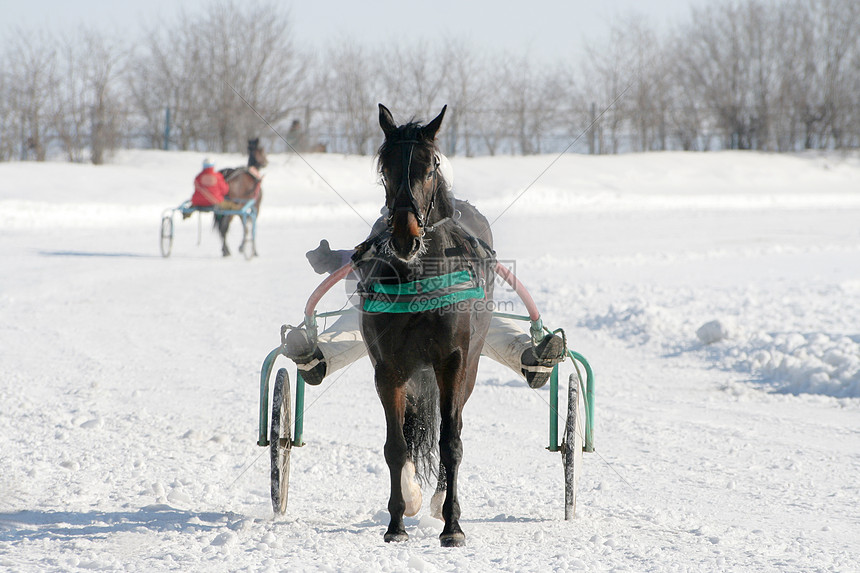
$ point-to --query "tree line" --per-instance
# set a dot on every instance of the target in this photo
(753, 74)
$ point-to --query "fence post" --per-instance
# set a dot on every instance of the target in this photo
(166, 127)
(591, 131)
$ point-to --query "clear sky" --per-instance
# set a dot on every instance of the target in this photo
(539, 28)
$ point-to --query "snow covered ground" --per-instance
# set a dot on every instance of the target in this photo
(129, 383)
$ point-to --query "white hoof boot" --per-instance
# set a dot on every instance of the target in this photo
(411, 490)
(436, 505)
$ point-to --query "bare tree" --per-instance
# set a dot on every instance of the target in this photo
(102, 65)
(631, 66)
(254, 68)
(9, 131)
(31, 76)
(353, 94)
(68, 100)
(413, 78)
(527, 103)
(166, 74)
(489, 121)
(609, 70)
(718, 65)
(223, 74)
(465, 90)
(840, 21)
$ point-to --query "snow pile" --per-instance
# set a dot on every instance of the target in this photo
(815, 363)
(712, 332)
(803, 358)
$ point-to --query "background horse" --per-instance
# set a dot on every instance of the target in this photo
(425, 362)
(244, 185)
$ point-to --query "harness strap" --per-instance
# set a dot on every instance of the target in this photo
(463, 287)
(422, 289)
(537, 369)
(437, 224)
(305, 366)
(231, 173)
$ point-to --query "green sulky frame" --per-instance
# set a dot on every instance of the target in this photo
(587, 386)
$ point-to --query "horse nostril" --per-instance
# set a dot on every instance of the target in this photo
(406, 247)
(401, 245)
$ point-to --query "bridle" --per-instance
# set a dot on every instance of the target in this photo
(405, 188)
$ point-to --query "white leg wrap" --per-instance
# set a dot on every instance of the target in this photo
(411, 490)
(436, 504)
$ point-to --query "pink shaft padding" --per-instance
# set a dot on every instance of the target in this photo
(325, 286)
(520, 289)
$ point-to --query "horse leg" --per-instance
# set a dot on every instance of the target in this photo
(245, 224)
(256, 215)
(392, 394)
(452, 396)
(244, 231)
(223, 227)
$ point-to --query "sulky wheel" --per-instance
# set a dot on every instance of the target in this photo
(572, 451)
(166, 235)
(280, 441)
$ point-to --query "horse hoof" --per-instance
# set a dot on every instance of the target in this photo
(398, 537)
(457, 539)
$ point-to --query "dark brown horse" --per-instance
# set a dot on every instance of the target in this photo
(427, 287)
(244, 185)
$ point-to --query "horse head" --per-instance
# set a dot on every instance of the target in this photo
(256, 154)
(408, 163)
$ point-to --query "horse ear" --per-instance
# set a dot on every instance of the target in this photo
(386, 121)
(432, 128)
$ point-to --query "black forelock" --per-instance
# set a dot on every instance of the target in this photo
(407, 132)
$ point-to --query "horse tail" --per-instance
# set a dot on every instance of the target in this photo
(421, 424)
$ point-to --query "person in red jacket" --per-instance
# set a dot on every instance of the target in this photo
(210, 188)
